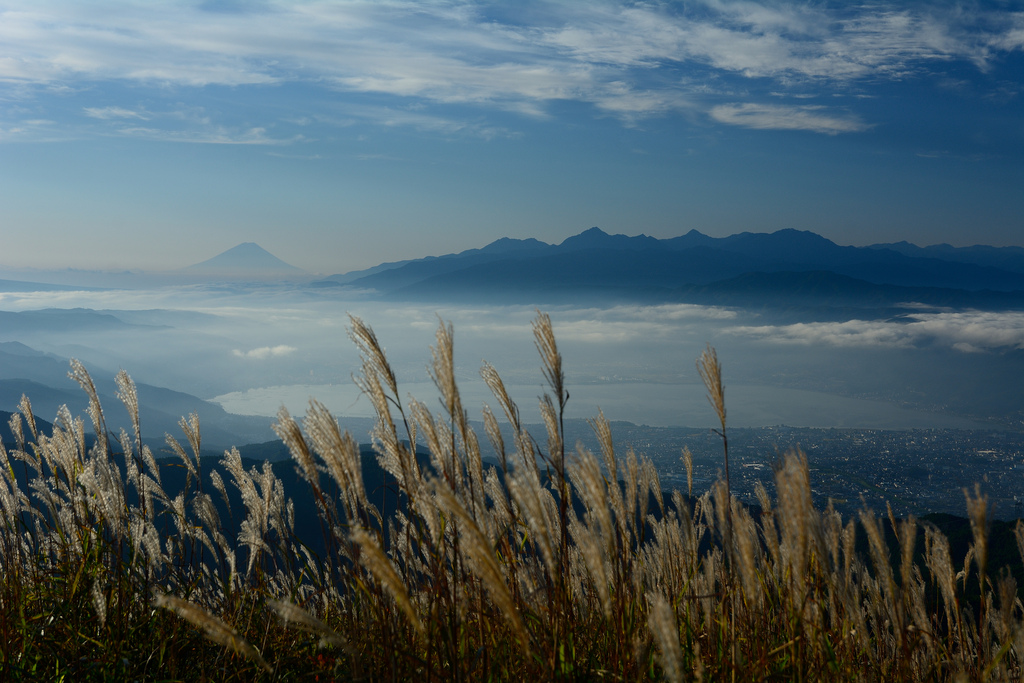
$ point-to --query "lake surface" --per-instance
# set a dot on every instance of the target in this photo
(660, 405)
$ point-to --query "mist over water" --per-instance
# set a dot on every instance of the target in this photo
(256, 348)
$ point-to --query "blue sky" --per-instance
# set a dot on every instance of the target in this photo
(153, 135)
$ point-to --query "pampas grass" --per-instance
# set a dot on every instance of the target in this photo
(558, 563)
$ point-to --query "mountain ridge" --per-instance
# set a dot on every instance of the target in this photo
(595, 264)
(247, 258)
(43, 377)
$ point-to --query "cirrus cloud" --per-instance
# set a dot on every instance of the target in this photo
(627, 60)
(782, 117)
(113, 113)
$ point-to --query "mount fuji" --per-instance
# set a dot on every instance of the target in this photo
(245, 260)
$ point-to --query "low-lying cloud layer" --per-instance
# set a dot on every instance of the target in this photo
(631, 361)
(967, 331)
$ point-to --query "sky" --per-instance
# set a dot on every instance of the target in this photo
(338, 135)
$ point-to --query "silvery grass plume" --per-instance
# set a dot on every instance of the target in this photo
(340, 453)
(616, 586)
(381, 567)
(588, 547)
(378, 383)
(292, 614)
(688, 463)
(662, 620)
(523, 442)
(710, 371)
(616, 501)
(482, 560)
(190, 427)
(287, 429)
(79, 374)
(215, 629)
(800, 524)
(552, 409)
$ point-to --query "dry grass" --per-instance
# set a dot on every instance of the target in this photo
(555, 565)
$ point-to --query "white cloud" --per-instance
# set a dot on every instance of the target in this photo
(264, 352)
(623, 59)
(1012, 38)
(981, 330)
(391, 117)
(662, 313)
(113, 113)
(213, 135)
(38, 130)
(966, 331)
(849, 333)
(613, 325)
(782, 117)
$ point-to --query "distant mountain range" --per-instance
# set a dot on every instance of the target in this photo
(23, 286)
(44, 379)
(788, 267)
(246, 262)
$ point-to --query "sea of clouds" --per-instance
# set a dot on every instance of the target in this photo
(256, 348)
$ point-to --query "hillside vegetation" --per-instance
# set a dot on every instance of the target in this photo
(558, 564)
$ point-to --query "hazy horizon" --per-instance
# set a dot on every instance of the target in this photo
(66, 275)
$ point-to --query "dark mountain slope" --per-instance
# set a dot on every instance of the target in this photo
(595, 264)
(801, 250)
(23, 286)
(1004, 258)
(44, 379)
(647, 274)
(57, 320)
(595, 238)
(433, 265)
